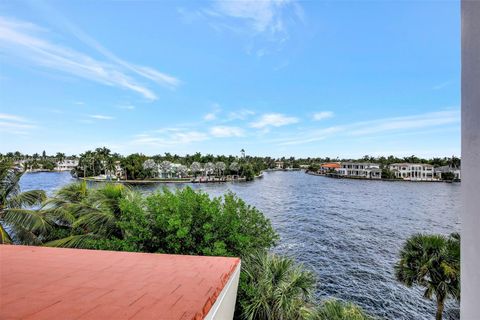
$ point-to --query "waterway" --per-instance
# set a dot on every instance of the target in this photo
(348, 231)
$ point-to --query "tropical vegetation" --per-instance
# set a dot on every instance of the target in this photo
(185, 221)
(340, 310)
(431, 262)
(102, 161)
(18, 222)
(274, 287)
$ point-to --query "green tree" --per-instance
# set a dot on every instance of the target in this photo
(339, 310)
(432, 262)
(189, 222)
(16, 217)
(448, 176)
(273, 287)
(89, 214)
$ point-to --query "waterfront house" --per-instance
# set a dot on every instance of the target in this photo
(329, 167)
(413, 171)
(66, 165)
(54, 283)
(366, 170)
(439, 171)
(279, 165)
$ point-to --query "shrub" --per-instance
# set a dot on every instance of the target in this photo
(274, 287)
(189, 222)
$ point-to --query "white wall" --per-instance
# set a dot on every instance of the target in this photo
(470, 217)
(224, 307)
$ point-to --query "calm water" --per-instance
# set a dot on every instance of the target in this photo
(349, 232)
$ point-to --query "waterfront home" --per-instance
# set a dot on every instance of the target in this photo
(66, 165)
(413, 171)
(365, 170)
(279, 165)
(329, 167)
(55, 283)
(439, 171)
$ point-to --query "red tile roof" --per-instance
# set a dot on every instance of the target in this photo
(332, 165)
(50, 283)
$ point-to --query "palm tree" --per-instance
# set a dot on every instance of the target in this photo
(339, 310)
(209, 168)
(60, 157)
(166, 168)
(89, 213)
(275, 288)
(234, 167)
(433, 262)
(16, 219)
(220, 167)
(195, 167)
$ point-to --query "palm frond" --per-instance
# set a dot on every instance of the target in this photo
(26, 199)
(31, 220)
(4, 236)
(99, 222)
(75, 241)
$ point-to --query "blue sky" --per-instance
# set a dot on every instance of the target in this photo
(278, 78)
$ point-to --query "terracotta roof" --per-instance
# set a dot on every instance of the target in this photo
(330, 165)
(51, 283)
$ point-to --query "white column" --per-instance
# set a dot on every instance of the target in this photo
(470, 216)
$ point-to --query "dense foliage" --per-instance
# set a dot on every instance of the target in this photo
(188, 222)
(182, 222)
(17, 221)
(432, 262)
(103, 161)
(273, 287)
(339, 310)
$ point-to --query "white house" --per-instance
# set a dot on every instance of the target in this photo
(360, 170)
(444, 169)
(66, 165)
(413, 171)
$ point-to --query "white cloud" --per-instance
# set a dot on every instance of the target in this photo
(442, 85)
(240, 114)
(170, 137)
(273, 120)
(265, 25)
(430, 119)
(210, 116)
(14, 124)
(22, 40)
(322, 115)
(226, 132)
(12, 117)
(266, 16)
(376, 127)
(100, 117)
(126, 107)
(213, 114)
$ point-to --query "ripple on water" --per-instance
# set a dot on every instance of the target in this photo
(348, 231)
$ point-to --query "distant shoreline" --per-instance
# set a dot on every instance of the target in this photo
(381, 179)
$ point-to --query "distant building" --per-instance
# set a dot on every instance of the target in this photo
(447, 169)
(278, 164)
(329, 167)
(66, 165)
(413, 171)
(365, 170)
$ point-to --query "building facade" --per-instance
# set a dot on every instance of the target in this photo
(441, 171)
(66, 165)
(413, 171)
(365, 170)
